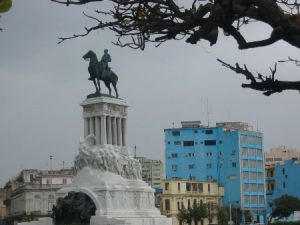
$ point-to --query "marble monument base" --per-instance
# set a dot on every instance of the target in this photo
(119, 201)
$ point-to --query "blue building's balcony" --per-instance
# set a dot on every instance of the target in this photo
(270, 178)
(269, 192)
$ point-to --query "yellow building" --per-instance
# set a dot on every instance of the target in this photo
(179, 194)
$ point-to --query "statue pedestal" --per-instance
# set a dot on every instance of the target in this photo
(119, 201)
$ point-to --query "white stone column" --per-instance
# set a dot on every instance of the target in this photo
(92, 127)
(114, 130)
(124, 134)
(86, 127)
(97, 129)
(108, 128)
(119, 129)
(103, 130)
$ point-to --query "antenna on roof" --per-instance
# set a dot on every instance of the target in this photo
(207, 112)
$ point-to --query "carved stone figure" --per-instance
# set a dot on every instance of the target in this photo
(106, 159)
(100, 71)
(76, 208)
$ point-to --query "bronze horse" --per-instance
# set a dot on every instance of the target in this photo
(97, 73)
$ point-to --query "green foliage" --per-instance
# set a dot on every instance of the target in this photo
(285, 206)
(287, 223)
(27, 217)
(222, 216)
(195, 213)
(5, 5)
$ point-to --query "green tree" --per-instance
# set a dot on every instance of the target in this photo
(284, 206)
(195, 213)
(222, 216)
(185, 216)
(199, 212)
(138, 22)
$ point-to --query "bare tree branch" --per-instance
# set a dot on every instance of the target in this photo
(267, 84)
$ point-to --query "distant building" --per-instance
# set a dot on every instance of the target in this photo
(33, 192)
(230, 153)
(2, 205)
(280, 154)
(283, 179)
(152, 171)
(179, 194)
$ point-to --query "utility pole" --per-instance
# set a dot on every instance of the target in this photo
(63, 162)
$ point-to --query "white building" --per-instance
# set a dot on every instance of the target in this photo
(152, 171)
(280, 154)
(34, 192)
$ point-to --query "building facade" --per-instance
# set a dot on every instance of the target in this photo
(285, 180)
(280, 154)
(152, 171)
(2, 205)
(179, 194)
(230, 154)
(34, 192)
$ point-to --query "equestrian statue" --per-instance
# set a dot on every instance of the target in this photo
(100, 71)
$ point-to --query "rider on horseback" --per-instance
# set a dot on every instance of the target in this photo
(104, 61)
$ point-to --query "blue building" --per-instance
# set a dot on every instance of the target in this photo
(283, 179)
(229, 153)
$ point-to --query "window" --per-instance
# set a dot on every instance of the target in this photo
(208, 166)
(188, 143)
(174, 168)
(188, 186)
(191, 155)
(191, 166)
(251, 140)
(37, 203)
(232, 152)
(283, 184)
(283, 171)
(244, 139)
(209, 132)
(48, 181)
(244, 151)
(178, 187)
(245, 163)
(252, 175)
(64, 181)
(254, 199)
(178, 205)
(210, 142)
(259, 140)
(174, 155)
(51, 202)
(31, 177)
(189, 204)
(194, 187)
(209, 178)
(277, 159)
(246, 199)
(167, 204)
(252, 152)
(166, 186)
(200, 187)
(233, 164)
(208, 154)
(195, 131)
(245, 175)
(208, 187)
(176, 133)
(177, 142)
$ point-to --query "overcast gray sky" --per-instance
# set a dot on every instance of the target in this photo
(42, 85)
